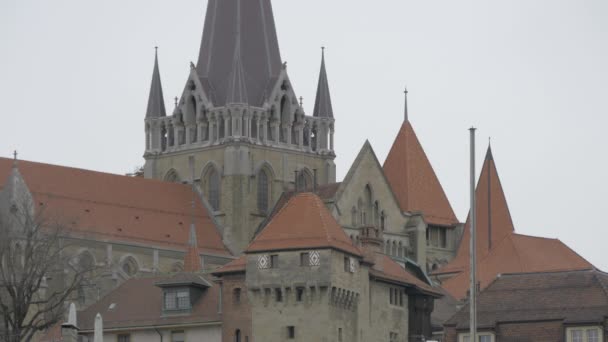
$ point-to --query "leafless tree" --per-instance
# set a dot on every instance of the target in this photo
(33, 250)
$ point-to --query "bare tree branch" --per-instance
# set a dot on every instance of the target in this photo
(33, 249)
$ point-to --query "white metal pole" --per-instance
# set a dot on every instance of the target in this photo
(473, 247)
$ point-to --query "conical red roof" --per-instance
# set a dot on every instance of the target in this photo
(303, 223)
(493, 217)
(414, 181)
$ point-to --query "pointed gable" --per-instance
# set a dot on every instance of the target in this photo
(227, 21)
(413, 179)
(323, 107)
(303, 223)
(494, 221)
(156, 102)
(192, 259)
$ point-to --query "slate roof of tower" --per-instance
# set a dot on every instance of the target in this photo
(323, 107)
(414, 181)
(156, 101)
(110, 207)
(259, 48)
(509, 252)
(571, 296)
(304, 222)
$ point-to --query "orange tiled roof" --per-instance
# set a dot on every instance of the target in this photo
(304, 222)
(413, 179)
(117, 208)
(390, 270)
(492, 214)
(499, 249)
(519, 254)
(235, 266)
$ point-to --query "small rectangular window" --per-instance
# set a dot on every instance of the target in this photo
(346, 264)
(278, 295)
(124, 338)
(274, 261)
(183, 299)
(339, 334)
(299, 294)
(304, 259)
(237, 296)
(178, 336)
(291, 332)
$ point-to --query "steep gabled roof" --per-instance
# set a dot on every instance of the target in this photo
(156, 101)
(303, 223)
(569, 296)
(493, 217)
(115, 208)
(414, 181)
(323, 107)
(225, 22)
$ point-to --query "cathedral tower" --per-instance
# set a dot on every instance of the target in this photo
(240, 122)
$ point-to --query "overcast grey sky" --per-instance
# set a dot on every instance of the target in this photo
(533, 75)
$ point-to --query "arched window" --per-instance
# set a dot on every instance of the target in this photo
(254, 127)
(304, 181)
(263, 191)
(387, 247)
(353, 214)
(148, 136)
(222, 127)
(284, 119)
(171, 135)
(205, 127)
(376, 214)
(130, 266)
(400, 250)
(294, 132)
(382, 220)
(237, 335)
(163, 137)
(368, 204)
(214, 189)
(191, 119)
(394, 250)
(172, 176)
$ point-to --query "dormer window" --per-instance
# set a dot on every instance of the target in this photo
(177, 299)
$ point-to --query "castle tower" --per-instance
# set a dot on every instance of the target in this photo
(241, 121)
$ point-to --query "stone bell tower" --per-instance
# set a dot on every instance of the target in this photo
(240, 122)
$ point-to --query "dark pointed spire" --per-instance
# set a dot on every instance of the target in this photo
(323, 106)
(489, 152)
(156, 102)
(237, 89)
(405, 114)
(259, 47)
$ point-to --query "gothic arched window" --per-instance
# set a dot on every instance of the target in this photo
(263, 191)
(284, 119)
(368, 204)
(237, 336)
(214, 189)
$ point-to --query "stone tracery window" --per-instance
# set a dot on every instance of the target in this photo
(263, 191)
(213, 191)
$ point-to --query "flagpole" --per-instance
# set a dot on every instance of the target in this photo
(473, 249)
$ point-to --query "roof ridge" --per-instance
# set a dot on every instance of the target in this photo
(316, 201)
(521, 265)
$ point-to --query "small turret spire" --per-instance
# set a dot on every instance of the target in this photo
(15, 159)
(156, 102)
(323, 107)
(405, 114)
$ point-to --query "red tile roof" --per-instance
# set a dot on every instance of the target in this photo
(503, 251)
(414, 181)
(138, 303)
(492, 213)
(386, 268)
(110, 207)
(304, 222)
(236, 266)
